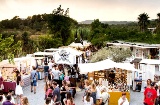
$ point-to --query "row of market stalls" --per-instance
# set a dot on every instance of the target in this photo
(7, 70)
(63, 55)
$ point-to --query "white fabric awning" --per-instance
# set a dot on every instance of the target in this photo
(126, 66)
(76, 45)
(90, 67)
(150, 61)
(105, 64)
(72, 51)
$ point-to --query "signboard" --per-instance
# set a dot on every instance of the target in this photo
(64, 57)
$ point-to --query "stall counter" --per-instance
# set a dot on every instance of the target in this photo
(114, 97)
(9, 86)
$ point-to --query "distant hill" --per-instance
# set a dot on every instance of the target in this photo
(108, 22)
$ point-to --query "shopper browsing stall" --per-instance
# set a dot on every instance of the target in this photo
(123, 100)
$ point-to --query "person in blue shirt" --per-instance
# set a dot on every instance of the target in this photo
(34, 78)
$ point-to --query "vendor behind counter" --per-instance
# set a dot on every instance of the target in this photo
(111, 77)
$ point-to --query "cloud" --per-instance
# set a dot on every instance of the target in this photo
(81, 9)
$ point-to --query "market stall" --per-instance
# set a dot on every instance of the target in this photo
(24, 65)
(150, 70)
(116, 77)
(116, 82)
(9, 78)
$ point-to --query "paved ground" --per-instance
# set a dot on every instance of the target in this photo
(38, 98)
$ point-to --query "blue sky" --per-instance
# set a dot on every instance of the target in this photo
(105, 10)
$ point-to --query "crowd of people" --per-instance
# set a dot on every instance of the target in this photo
(58, 89)
(9, 98)
(97, 94)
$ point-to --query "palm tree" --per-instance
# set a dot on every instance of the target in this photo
(158, 23)
(158, 15)
(143, 21)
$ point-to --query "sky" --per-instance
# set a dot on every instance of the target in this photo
(80, 10)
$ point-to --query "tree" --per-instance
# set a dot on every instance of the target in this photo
(158, 24)
(8, 48)
(46, 41)
(143, 21)
(98, 36)
(115, 53)
(60, 24)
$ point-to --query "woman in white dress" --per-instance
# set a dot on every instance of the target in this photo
(18, 91)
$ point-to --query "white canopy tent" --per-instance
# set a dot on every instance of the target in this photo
(126, 66)
(76, 45)
(105, 64)
(150, 61)
(149, 70)
(72, 51)
(90, 67)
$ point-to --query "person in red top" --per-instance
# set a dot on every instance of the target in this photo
(150, 95)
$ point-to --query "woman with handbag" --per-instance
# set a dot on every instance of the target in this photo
(19, 91)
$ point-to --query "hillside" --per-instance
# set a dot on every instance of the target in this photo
(108, 22)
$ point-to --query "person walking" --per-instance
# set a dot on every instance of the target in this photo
(34, 78)
(46, 71)
(18, 90)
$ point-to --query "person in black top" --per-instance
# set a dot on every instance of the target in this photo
(63, 91)
(111, 77)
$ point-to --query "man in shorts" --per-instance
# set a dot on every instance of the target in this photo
(34, 78)
(46, 71)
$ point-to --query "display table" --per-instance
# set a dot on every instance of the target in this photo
(26, 80)
(114, 97)
(9, 86)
